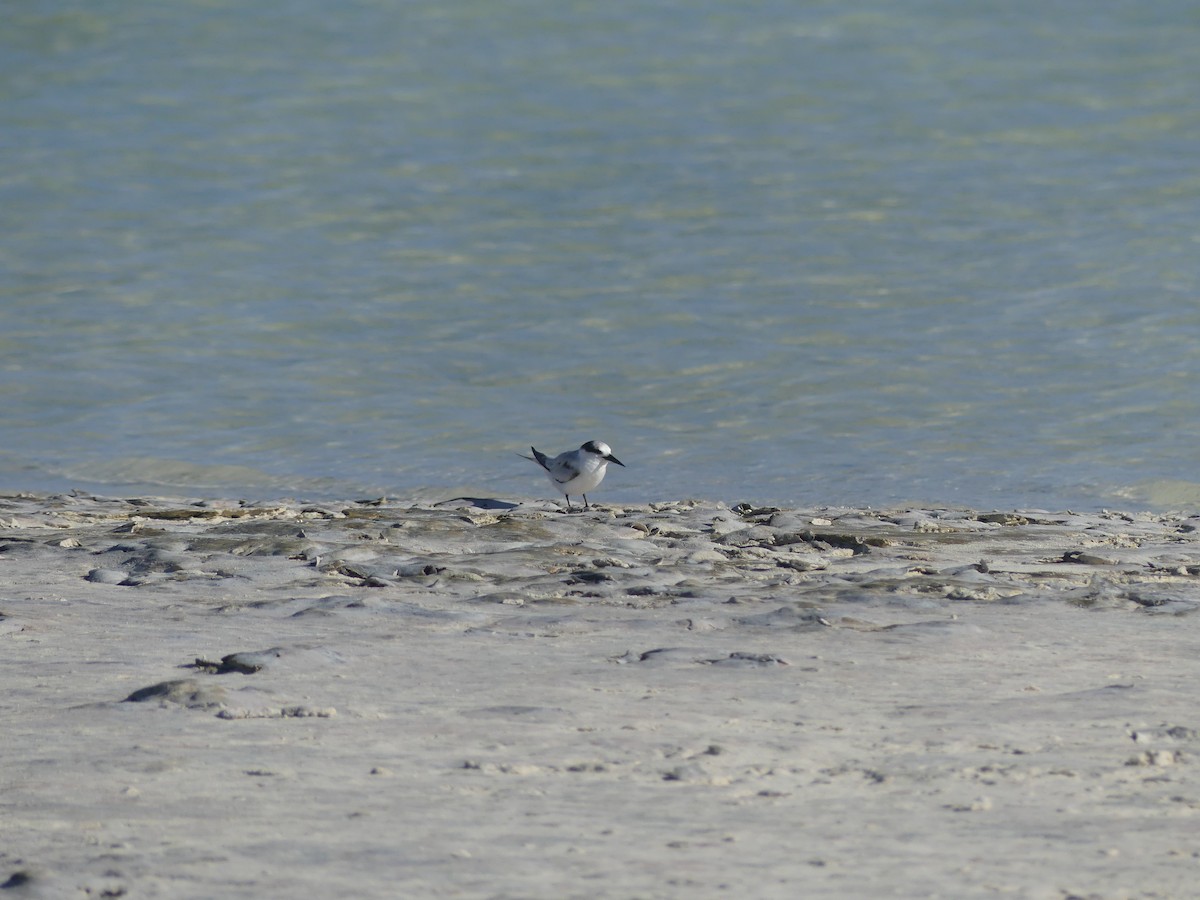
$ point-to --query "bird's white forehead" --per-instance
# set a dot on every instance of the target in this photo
(598, 447)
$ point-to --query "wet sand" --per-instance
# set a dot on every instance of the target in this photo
(485, 699)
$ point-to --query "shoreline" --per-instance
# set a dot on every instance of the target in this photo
(384, 699)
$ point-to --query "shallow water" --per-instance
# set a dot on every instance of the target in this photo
(768, 253)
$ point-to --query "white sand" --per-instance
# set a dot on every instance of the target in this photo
(676, 701)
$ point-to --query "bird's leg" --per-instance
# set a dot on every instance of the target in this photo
(568, 503)
(585, 503)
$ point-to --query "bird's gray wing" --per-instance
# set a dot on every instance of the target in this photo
(540, 458)
(563, 470)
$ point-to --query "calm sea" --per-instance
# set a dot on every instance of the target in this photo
(777, 251)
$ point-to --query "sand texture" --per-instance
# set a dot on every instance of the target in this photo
(494, 700)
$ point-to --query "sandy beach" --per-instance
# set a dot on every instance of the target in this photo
(481, 698)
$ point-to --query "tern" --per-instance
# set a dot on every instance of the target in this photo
(577, 471)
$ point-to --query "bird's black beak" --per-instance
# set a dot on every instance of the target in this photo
(612, 458)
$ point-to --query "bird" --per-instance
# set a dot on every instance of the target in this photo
(576, 471)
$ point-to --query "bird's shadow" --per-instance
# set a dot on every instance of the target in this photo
(480, 502)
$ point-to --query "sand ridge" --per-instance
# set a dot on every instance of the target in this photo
(480, 698)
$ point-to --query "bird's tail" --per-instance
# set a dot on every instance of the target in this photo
(538, 457)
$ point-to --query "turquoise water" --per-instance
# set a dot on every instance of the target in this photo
(768, 251)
